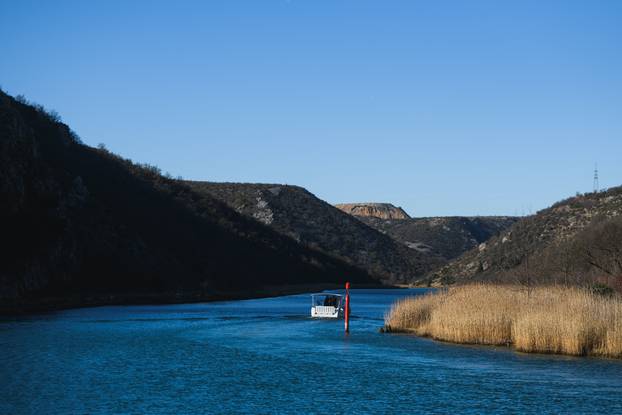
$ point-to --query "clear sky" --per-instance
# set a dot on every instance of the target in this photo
(444, 108)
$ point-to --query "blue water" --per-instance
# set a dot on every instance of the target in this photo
(267, 356)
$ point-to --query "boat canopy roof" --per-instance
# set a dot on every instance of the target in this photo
(327, 294)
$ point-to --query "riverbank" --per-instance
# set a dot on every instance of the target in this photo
(54, 303)
(559, 320)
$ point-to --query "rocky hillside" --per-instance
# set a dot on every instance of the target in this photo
(83, 226)
(576, 240)
(298, 214)
(373, 210)
(447, 237)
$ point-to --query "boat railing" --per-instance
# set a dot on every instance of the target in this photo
(325, 309)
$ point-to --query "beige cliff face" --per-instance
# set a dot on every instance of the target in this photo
(375, 210)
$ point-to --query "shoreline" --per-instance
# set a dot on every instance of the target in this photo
(52, 303)
(509, 347)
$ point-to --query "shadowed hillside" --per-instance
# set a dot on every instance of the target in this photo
(575, 241)
(84, 226)
(447, 237)
(295, 212)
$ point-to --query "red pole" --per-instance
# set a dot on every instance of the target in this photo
(347, 311)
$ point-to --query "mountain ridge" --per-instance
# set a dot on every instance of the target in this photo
(296, 212)
(82, 225)
(445, 236)
(576, 240)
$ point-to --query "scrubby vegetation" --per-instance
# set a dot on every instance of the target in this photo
(576, 241)
(446, 237)
(543, 319)
(295, 212)
(84, 224)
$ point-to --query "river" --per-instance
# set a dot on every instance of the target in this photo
(268, 356)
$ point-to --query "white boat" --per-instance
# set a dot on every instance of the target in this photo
(326, 305)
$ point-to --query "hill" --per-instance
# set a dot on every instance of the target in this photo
(295, 212)
(374, 210)
(446, 237)
(81, 225)
(577, 240)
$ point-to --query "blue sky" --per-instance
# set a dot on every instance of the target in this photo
(444, 108)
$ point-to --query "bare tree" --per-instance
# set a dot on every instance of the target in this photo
(563, 260)
(523, 274)
(602, 249)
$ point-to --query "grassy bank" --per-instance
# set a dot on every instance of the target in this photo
(561, 320)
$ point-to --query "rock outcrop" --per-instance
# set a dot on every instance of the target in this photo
(374, 210)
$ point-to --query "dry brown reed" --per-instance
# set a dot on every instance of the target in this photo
(546, 319)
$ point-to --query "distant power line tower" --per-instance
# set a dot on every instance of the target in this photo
(596, 187)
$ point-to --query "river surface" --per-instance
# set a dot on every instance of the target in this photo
(267, 356)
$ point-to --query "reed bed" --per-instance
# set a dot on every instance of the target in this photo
(547, 319)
